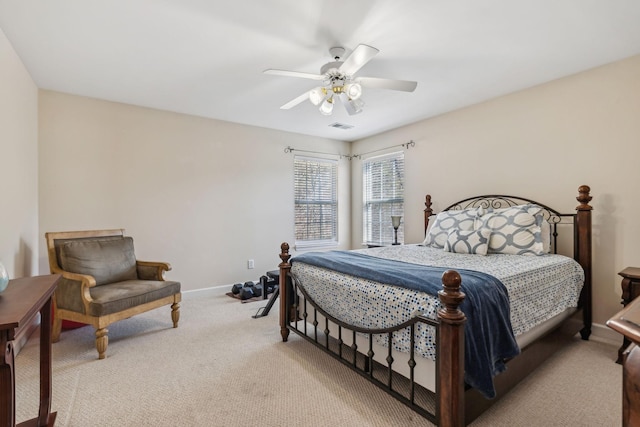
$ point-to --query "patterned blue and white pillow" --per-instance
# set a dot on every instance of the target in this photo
(448, 220)
(468, 241)
(515, 230)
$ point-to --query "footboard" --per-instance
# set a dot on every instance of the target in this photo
(441, 402)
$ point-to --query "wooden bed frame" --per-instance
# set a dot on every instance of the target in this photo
(454, 403)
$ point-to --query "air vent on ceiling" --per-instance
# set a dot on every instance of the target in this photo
(340, 126)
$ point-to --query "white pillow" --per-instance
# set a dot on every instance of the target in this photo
(545, 228)
(468, 241)
(514, 230)
(448, 220)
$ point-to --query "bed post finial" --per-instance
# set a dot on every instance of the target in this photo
(450, 353)
(584, 198)
(451, 296)
(284, 252)
(427, 211)
(582, 254)
(285, 267)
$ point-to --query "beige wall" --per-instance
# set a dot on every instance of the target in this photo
(204, 195)
(542, 143)
(19, 237)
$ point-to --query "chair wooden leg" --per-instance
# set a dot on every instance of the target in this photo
(175, 313)
(102, 340)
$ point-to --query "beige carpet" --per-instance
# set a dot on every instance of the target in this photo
(223, 368)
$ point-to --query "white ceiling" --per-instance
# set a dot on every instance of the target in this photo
(206, 57)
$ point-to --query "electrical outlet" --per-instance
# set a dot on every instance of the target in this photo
(250, 264)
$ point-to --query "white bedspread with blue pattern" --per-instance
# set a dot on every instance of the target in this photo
(540, 287)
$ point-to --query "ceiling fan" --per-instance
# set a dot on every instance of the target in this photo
(339, 82)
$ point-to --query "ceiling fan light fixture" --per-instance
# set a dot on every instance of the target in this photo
(353, 90)
(339, 81)
(316, 96)
(356, 105)
(326, 107)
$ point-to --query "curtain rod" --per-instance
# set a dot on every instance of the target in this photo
(406, 145)
(291, 149)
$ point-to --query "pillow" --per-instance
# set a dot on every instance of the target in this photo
(107, 260)
(468, 241)
(448, 220)
(546, 236)
(514, 230)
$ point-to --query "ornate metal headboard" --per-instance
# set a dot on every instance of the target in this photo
(497, 201)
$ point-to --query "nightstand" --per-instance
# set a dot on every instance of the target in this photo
(627, 322)
(630, 290)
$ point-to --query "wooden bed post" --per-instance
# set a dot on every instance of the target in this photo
(450, 353)
(582, 251)
(427, 211)
(285, 267)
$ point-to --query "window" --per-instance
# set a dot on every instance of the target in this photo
(316, 201)
(383, 193)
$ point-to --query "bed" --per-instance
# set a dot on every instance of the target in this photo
(450, 325)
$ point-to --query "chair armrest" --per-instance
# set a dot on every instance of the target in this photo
(75, 283)
(150, 270)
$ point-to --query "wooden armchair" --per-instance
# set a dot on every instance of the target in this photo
(102, 282)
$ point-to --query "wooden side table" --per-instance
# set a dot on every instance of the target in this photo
(627, 322)
(630, 290)
(22, 299)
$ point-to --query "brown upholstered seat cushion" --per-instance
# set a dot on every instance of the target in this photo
(131, 293)
(107, 260)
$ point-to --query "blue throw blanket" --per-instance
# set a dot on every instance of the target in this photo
(489, 338)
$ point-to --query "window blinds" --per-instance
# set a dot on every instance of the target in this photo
(383, 196)
(316, 200)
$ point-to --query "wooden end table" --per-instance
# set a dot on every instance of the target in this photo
(627, 322)
(630, 290)
(22, 299)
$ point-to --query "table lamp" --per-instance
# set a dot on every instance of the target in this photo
(395, 221)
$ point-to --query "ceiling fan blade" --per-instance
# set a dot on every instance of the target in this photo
(358, 58)
(296, 101)
(378, 83)
(287, 73)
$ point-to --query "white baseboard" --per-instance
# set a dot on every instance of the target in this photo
(213, 290)
(604, 333)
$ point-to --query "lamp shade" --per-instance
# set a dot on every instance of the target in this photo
(356, 105)
(327, 106)
(353, 90)
(316, 96)
(395, 220)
